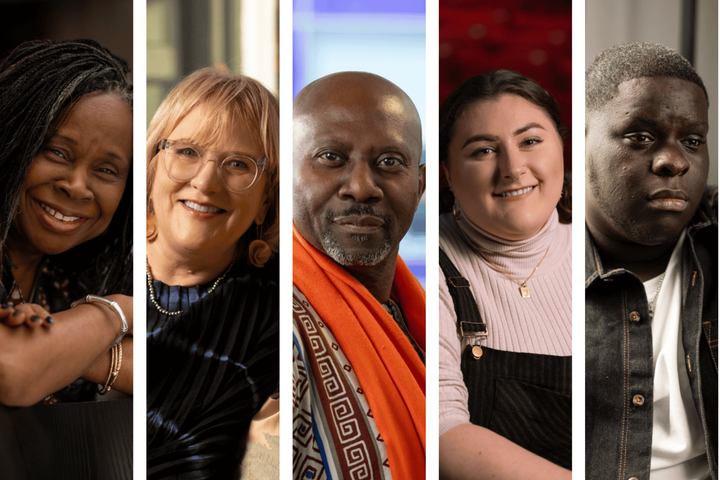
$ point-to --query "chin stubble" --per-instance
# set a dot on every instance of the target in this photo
(364, 259)
(347, 259)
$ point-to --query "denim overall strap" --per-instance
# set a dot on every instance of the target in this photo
(524, 397)
(469, 321)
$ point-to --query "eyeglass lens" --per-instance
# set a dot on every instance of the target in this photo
(184, 161)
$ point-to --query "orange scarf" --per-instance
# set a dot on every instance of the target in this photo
(388, 368)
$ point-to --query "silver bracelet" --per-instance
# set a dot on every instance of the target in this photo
(110, 303)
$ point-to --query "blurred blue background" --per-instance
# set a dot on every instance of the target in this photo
(379, 36)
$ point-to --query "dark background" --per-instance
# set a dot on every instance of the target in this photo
(533, 38)
(109, 22)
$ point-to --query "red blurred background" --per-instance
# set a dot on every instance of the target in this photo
(529, 37)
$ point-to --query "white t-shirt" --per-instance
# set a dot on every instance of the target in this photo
(678, 444)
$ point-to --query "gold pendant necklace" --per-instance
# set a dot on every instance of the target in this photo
(524, 289)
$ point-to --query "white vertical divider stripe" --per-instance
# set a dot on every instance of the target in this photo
(432, 75)
(578, 237)
(139, 76)
(286, 215)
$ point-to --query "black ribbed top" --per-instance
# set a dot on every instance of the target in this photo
(209, 370)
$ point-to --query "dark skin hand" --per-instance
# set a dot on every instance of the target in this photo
(98, 372)
(42, 353)
(647, 163)
(70, 193)
(357, 179)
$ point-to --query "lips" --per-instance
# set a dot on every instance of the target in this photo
(58, 220)
(58, 215)
(669, 200)
(361, 220)
(359, 224)
(669, 194)
(516, 192)
(201, 208)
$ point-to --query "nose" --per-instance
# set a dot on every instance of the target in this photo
(670, 161)
(75, 185)
(360, 183)
(511, 164)
(207, 180)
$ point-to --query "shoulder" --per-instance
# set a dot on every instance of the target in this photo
(563, 239)
(448, 227)
(451, 238)
(244, 275)
(301, 306)
(710, 201)
(707, 212)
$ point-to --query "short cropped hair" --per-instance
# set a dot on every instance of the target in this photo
(232, 99)
(628, 61)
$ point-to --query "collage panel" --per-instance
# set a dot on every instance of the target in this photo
(374, 86)
(651, 240)
(212, 240)
(358, 240)
(505, 320)
(66, 232)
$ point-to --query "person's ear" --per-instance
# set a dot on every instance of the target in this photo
(421, 182)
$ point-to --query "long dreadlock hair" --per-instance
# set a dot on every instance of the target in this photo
(40, 82)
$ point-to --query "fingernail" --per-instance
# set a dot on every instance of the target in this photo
(35, 318)
(16, 313)
(49, 320)
(4, 306)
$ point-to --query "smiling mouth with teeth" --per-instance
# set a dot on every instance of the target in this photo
(58, 215)
(200, 208)
(514, 193)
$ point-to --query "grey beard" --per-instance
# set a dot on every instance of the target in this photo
(346, 259)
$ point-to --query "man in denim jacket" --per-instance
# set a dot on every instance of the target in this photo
(651, 269)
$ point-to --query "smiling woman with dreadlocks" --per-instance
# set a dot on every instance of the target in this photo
(65, 225)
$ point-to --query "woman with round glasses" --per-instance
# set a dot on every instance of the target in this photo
(183, 160)
(212, 297)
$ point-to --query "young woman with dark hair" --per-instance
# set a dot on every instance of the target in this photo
(505, 289)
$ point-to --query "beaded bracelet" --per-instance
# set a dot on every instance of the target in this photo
(110, 303)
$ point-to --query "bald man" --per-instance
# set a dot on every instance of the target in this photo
(359, 314)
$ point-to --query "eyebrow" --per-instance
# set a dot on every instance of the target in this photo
(192, 142)
(646, 120)
(700, 124)
(527, 127)
(74, 142)
(67, 139)
(494, 138)
(654, 123)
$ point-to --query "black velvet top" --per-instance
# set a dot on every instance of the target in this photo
(209, 370)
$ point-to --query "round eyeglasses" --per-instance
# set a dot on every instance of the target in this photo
(184, 160)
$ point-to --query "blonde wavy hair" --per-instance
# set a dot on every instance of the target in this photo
(231, 98)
